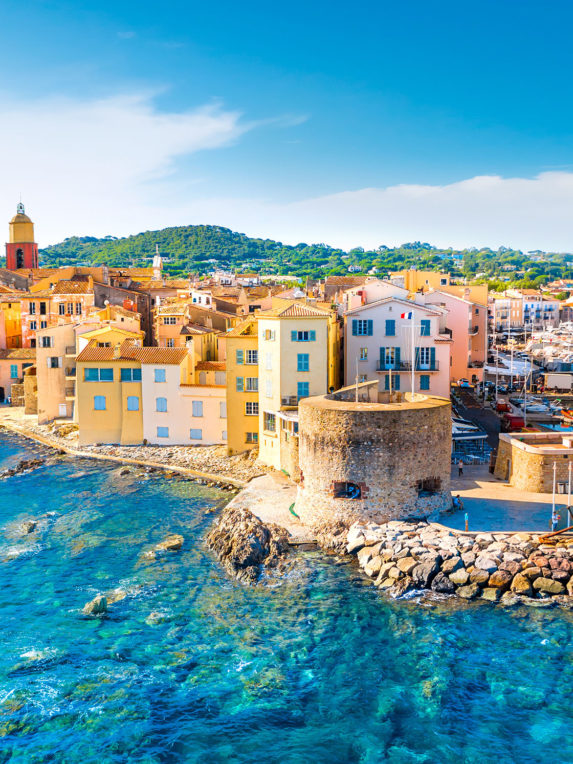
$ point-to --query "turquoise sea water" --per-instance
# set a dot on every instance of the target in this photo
(193, 667)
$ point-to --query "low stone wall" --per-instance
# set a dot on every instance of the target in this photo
(527, 459)
(507, 567)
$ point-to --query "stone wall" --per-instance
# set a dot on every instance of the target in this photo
(17, 394)
(30, 392)
(503, 459)
(527, 459)
(288, 444)
(390, 452)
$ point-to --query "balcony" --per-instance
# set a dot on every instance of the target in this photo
(407, 366)
(475, 365)
(70, 393)
(70, 350)
(71, 372)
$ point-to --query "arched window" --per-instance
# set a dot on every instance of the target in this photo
(19, 258)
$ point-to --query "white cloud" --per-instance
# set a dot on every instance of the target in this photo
(108, 166)
(482, 211)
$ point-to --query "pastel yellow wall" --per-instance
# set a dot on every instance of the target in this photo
(116, 424)
(10, 325)
(238, 422)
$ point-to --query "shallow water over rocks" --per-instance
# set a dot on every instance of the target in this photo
(190, 666)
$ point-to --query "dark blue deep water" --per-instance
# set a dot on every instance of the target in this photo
(192, 667)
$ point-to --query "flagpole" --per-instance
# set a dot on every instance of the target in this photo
(413, 356)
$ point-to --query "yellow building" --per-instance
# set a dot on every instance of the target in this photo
(420, 281)
(10, 321)
(242, 387)
(299, 347)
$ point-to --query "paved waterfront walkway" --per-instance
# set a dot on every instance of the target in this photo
(493, 505)
(269, 498)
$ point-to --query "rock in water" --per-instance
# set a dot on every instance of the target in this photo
(28, 526)
(97, 606)
(245, 545)
(171, 544)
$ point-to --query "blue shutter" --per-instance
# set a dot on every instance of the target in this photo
(369, 325)
(390, 327)
(240, 356)
(240, 384)
(396, 382)
(425, 328)
(387, 382)
(397, 357)
(432, 358)
(424, 381)
(312, 336)
(416, 358)
(354, 327)
(293, 335)
(382, 357)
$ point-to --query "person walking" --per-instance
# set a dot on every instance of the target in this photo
(460, 468)
(554, 520)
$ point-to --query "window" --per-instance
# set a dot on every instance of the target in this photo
(61, 309)
(223, 409)
(106, 375)
(252, 357)
(240, 384)
(252, 384)
(363, 354)
(443, 282)
(33, 326)
(70, 307)
(269, 388)
(43, 324)
(425, 328)
(99, 402)
(429, 486)
(42, 308)
(13, 371)
(362, 327)
(132, 403)
(54, 362)
(270, 334)
(79, 309)
(269, 361)
(302, 362)
(196, 434)
(46, 342)
(104, 344)
(32, 308)
(363, 378)
(251, 437)
(240, 356)
(224, 435)
(302, 390)
(91, 375)
(395, 382)
(160, 375)
(303, 336)
(220, 378)
(163, 432)
(270, 422)
(169, 320)
(252, 408)
(344, 490)
(390, 328)
(131, 375)
(161, 404)
(197, 408)
(170, 343)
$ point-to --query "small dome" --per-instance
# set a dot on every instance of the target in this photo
(20, 218)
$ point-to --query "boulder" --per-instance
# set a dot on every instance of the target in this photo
(521, 585)
(402, 586)
(97, 606)
(406, 564)
(500, 579)
(484, 562)
(355, 545)
(468, 558)
(548, 585)
(539, 561)
(28, 526)
(172, 543)
(468, 592)
(442, 584)
(491, 593)
(365, 555)
(511, 567)
(372, 568)
(423, 573)
(478, 576)
(560, 575)
(509, 599)
(394, 572)
(459, 577)
(532, 572)
(451, 565)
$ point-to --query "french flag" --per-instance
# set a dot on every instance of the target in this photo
(406, 315)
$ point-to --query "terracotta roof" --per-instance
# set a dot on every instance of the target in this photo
(247, 328)
(18, 354)
(73, 287)
(211, 366)
(196, 329)
(345, 281)
(167, 284)
(296, 310)
(37, 295)
(130, 352)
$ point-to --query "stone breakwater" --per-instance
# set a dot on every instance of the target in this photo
(510, 568)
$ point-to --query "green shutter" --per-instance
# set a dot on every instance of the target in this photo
(240, 356)
(396, 382)
(382, 357)
(354, 327)
(369, 332)
(432, 358)
(240, 384)
(387, 382)
(293, 335)
(312, 335)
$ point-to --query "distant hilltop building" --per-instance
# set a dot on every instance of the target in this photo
(21, 249)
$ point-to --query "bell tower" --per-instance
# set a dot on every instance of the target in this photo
(21, 249)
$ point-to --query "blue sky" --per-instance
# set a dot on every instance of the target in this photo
(371, 123)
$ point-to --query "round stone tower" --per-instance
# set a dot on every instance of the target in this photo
(379, 458)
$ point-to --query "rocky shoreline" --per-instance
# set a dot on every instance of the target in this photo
(509, 568)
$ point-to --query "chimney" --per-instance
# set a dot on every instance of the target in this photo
(117, 351)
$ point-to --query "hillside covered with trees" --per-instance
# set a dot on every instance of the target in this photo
(200, 249)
